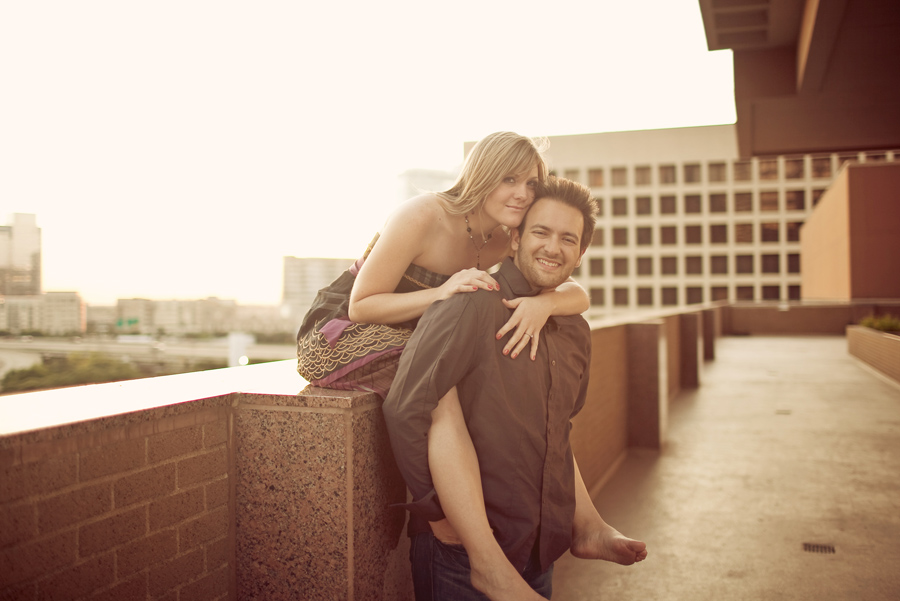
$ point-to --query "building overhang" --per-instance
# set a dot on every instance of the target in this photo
(811, 75)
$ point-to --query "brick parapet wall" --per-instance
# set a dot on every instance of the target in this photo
(219, 495)
(877, 349)
(803, 318)
(600, 431)
(637, 367)
(123, 512)
(168, 502)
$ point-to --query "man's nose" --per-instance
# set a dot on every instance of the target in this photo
(551, 245)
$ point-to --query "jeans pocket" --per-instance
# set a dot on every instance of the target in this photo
(451, 553)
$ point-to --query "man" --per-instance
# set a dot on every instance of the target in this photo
(535, 504)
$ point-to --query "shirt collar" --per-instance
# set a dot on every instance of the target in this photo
(513, 282)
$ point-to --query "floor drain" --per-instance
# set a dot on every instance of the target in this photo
(818, 548)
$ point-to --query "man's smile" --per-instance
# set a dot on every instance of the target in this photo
(548, 263)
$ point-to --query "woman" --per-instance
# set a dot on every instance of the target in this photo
(434, 246)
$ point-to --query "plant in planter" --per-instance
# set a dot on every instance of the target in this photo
(885, 323)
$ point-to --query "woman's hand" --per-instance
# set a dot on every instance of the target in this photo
(467, 280)
(530, 313)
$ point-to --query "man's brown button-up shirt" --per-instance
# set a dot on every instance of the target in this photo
(518, 413)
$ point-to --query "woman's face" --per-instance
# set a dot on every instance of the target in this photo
(507, 204)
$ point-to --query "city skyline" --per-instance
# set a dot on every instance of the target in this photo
(191, 168)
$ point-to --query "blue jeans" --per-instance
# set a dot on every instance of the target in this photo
(441, 572)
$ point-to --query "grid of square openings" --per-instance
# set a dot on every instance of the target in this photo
(765, 169)
(742, 217)
(698, 234)
(645, 296)
(712, 203)
(713, 264)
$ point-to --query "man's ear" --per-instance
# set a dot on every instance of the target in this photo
(580, 258)
(514, 239)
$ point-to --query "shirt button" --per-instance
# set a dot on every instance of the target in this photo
(553, 362)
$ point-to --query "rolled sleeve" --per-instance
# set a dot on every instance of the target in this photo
(428, 507)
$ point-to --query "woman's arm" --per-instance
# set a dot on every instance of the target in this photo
(403, 239)
(531, 313)
(372, 299)
(571, 298)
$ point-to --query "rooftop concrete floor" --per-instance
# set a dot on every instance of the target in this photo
(788, 440)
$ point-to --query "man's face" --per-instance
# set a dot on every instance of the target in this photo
(549, 248)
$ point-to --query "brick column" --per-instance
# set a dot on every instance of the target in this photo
(690, 328)
(647, 384)
(709, 334)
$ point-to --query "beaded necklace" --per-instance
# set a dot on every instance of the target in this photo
(477, 248)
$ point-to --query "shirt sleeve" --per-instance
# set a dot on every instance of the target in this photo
(439, 354)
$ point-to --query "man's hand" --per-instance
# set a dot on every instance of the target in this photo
(607, 543)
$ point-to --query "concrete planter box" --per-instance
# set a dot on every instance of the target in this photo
(878, 349)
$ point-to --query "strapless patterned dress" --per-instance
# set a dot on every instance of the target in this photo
(334, 352)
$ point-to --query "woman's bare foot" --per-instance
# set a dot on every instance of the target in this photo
(608, 544)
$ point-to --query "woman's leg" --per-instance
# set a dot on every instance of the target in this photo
(457, 480)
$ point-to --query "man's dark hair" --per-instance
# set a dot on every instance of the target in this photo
(573, 194)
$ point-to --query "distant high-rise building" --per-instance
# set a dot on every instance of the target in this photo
(174, 317)
(20, 256)
(303, 278)
(21, 314)
(64, 313)
(51, 314)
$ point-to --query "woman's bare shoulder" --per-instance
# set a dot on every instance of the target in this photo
(423, 212)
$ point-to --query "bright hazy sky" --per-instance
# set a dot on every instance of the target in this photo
(180, 149)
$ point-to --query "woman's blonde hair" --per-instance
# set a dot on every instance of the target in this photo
(493, 158)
